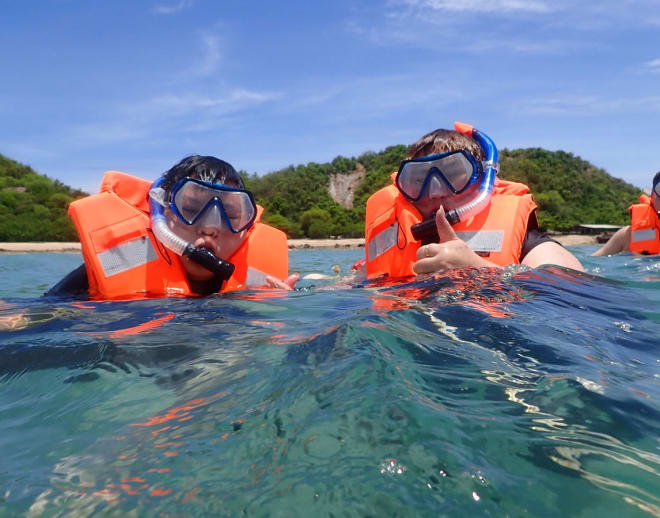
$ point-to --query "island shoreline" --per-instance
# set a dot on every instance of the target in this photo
(294, 244)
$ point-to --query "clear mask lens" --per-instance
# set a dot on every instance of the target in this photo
(455, 169)
(195, 202)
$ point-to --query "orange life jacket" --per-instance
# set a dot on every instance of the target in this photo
(644, 227)
(496, 233)
(124, 259)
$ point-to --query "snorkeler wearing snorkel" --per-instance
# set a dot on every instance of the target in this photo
(194, 231)
(642, 236)
(446, 208)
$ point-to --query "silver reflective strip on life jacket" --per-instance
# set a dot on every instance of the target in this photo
(483, 240)
(382, 241)
(127, 255)
(255, 277)
(647, 234)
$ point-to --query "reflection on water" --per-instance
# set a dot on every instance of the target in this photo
(477, 393)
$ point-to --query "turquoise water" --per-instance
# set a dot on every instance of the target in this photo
(515, 393)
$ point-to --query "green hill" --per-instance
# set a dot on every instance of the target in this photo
(569, 191)
(32, 206)
(298, 199)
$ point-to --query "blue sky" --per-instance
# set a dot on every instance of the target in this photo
(136, 86)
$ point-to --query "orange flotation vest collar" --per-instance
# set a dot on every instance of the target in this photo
(497, 233)
(644, 227)
(124, 259)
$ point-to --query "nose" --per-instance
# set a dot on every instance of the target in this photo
(210, 224)
(436, 188)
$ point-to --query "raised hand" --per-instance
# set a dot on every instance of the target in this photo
(450, 252)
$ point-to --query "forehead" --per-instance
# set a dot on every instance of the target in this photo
(209, 176)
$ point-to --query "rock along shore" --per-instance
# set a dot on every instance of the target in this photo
(564, 239)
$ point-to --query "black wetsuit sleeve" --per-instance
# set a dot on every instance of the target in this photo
(75, 283)
(534, 237)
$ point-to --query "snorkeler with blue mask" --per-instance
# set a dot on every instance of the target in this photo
(194, 231)
(446, 208)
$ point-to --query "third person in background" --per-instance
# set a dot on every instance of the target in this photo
(643, 234)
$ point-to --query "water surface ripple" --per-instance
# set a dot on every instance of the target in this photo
(476, 393)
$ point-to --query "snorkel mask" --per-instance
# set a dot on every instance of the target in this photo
(200, 255)
(656, 191)
(468, 170)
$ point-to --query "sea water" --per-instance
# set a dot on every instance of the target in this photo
(509, 392)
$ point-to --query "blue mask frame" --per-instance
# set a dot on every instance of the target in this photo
(477, 170)
(213, 201)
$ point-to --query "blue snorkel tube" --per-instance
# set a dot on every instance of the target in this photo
(490, 165)
(202, 256)
(426, 231)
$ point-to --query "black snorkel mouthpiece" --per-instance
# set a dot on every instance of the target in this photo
(204, 257)
(427, 231)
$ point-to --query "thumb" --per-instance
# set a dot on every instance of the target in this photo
(445, 230)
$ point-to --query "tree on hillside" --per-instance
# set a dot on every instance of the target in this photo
(32, 206)
(569, 190)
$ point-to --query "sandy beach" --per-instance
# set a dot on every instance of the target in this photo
(39, 247)
(575, 239)
(564, 239)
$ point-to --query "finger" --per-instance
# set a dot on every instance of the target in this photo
(429, 265)
(445, 230)
(291, 280)
(275, 283)
(426, 251)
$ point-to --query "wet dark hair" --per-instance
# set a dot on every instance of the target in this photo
(656, 178)
(206, 168)
(443, 141)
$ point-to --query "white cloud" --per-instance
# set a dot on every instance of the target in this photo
(430, 36)
(483, 6)
(371, 97)
(574, 105)
(211, 55)
(519, 26)
(108, 132)
(440, 25)
(171, 9)
(653, 65)
(166, 116)
(235, 100)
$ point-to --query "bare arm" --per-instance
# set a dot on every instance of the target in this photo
(286, 284)
(617, 243)
(551, 253)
